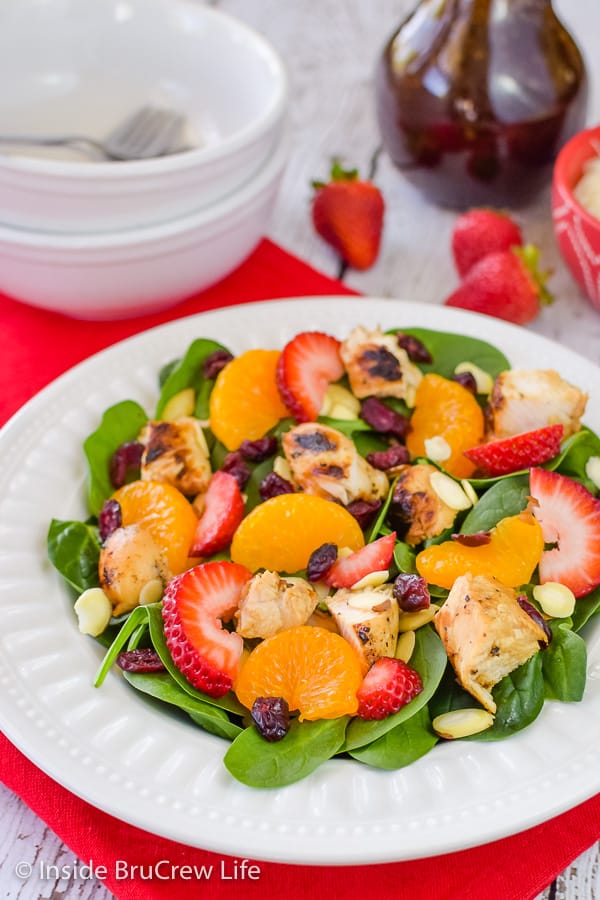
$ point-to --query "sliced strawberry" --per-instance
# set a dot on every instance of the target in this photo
(520, 451)
(388, 686)
(223, 512)
(374, 557)
(194, 606)
(307, 365)
(570, 518)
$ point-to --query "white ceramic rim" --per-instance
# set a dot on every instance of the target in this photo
(189, 159)
(131, 237)
(167, 777)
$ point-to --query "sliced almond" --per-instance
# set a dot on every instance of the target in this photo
(469, 491)
(405, 646)
(410, 621)
(449, 491)
(344, 552)
(179, 405)
(372, 580)
(151, 592)
(281, 467)
(438, 449)
(592, 470)
(483, 379)
(339, 403)
(339, 411)
(460, 723)
(557, 600)
(93, 610)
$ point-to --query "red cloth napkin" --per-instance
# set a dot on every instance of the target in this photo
(35, 347)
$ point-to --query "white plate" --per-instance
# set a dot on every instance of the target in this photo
(138, 763)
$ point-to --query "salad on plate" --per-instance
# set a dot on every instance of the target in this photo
(354, 548)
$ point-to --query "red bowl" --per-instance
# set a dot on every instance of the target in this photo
(577, 230)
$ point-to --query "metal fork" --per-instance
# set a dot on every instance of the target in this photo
(147, 133)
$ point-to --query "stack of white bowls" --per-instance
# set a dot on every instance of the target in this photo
(99, 239)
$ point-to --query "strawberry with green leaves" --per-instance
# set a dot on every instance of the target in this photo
(348, 213)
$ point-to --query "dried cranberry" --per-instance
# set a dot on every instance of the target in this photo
(364, 511)
(387, 459)
(271, 716)
(234, 465)
(415, 349)
(215, 362)
(320, 561)
(125, 463)
(273, 484)
(145, 660)
(110, 518)
(383, 419)
(256, 451)
(467, 380)
(537, 617)
(478, 539)
(411, 592)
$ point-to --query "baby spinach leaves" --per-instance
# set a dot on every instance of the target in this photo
(307, 745)
(187, 372)
(405, 743)
(120, 423)
(74, 549)
(505, 498)
(448, 350)
(564, 663)
(519, 699)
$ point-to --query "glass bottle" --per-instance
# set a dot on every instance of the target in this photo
(476, 97)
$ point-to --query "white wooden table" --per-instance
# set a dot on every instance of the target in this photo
(330, 48)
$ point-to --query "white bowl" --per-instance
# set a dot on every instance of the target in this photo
(129, 273)
(84, 65)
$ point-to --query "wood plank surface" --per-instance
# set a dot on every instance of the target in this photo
(329, 48)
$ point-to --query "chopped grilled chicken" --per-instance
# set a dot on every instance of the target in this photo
(128, 560)
(270, 604)
(377, 366)
(175, 452)
(367, 619)
(416, 511)
(486, 634)
(527, 399)
(324, 462)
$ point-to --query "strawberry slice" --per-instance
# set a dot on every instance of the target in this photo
(194, 606)
(388, 686)
(570, 518)
(306, 367)
(520, 451)
(223, 512)
(374, 557)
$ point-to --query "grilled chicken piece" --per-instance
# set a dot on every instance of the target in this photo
(377, 366)
(416, 506)
(486, 634)
(129, 559)
(175, 452)
(367, 619)
(270, 604)
(326, 463)
(526, 399)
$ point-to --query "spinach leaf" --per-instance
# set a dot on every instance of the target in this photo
(404, 558)
(585, 608)
(74, 549)
(564, 664)
(448, 350)
(429, 659)
(347, 426)
(256, 762)
(120, 423)
(401, 746)
(574, 455)
(506, 498)
(136, 618)
(187, 372)
(369, 442)
(449, 696)
(519, 699)
(157, 635)
(379, 521)
(161, 686)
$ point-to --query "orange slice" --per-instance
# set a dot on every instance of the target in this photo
(282, 532)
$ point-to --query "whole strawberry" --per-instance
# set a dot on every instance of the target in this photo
(348, 213)
(479, 232)
(506, 285)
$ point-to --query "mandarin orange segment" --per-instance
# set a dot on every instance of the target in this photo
(511, 556)
(167, 515)
(245, 401)
(316, 671)
(282, 532)
(447, 409)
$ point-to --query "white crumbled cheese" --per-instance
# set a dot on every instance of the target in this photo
(587, 189)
